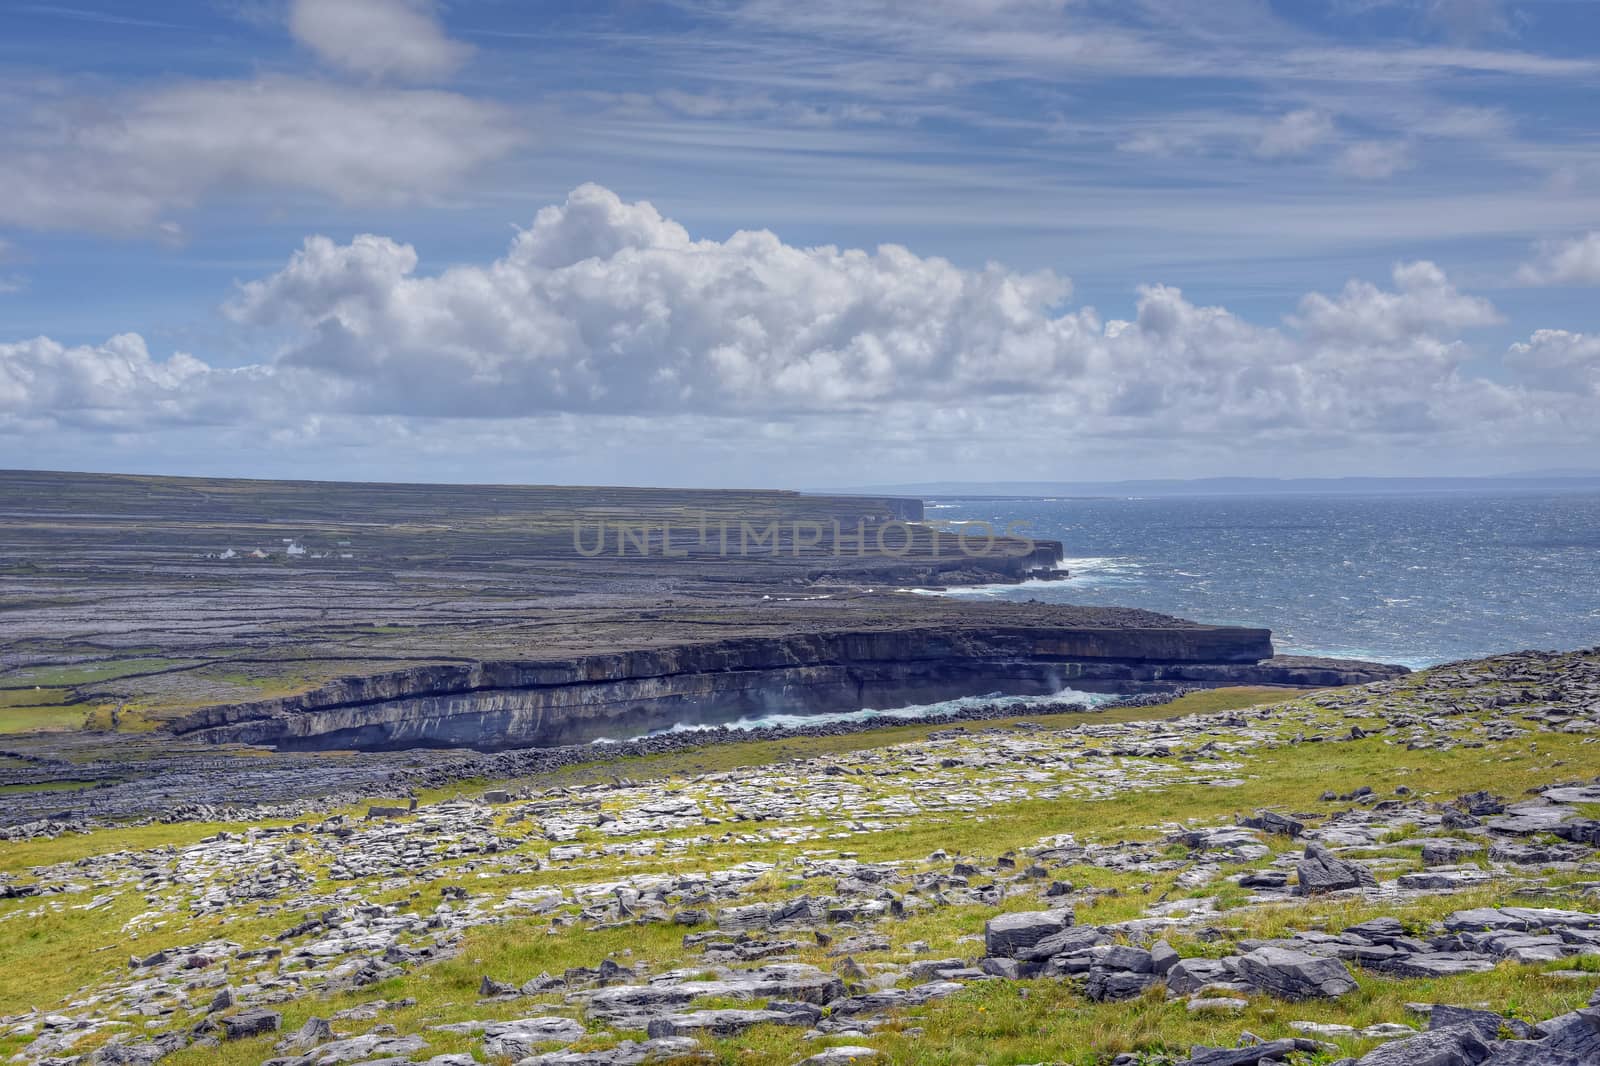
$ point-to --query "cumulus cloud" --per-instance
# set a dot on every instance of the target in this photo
(1557, 359)
(121, 164)
(118, 385)
(605, 305)
(605, 313)
(1423, 303)
(1570, 262)
(378, 38)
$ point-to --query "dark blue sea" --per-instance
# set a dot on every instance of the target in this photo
(1406, 579)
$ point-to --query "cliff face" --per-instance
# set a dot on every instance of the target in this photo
(537, 703)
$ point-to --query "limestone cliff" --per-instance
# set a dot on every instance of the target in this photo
(501, 704)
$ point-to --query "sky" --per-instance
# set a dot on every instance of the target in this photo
(765, 243)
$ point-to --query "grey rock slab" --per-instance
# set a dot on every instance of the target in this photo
(315, 1031)
(1532, 1053)
(143, 1054)
(517, 1039)
(1447, 851)
(1291, 974)
(843, 1055)
(1525, 819)
(1270, 1051)
(785, 981)
(627, 1053)
(1487, 1024)
(1320, 871)
(1011, 934)
(1079, 938)
(363, 1048)
(1108, 986)
(721, 1023)
(1121, 957)
(1216, 1005)
(1576, 1033)
(1378, 930)
(1438, 1047)
(1443, 880)
(1434, 964)
(248, 1023)
(1188, 976)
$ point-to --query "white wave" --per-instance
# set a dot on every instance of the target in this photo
(911, 713)
(1083, 572)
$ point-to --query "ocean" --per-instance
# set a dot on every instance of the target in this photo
(1415, 580)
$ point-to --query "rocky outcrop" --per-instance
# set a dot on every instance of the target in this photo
(534, 703)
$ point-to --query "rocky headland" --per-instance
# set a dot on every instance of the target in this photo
(154, 625)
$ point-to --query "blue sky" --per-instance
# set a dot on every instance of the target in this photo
(299, 238)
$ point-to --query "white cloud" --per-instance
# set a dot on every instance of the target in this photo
(117, 386)
(1570, 262)
(120, 164)
(605, 305)
(1295, 134)
(1557, 359)
(1375, 159)
(1424, 303)
(378, 38)
(605, 315)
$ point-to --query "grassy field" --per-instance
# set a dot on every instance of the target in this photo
(997, 1023)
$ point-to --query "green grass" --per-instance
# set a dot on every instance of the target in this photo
(997, 1023)
(52, 718)
(86, 673)
(36, 696)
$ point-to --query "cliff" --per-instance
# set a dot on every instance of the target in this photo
(505, 704)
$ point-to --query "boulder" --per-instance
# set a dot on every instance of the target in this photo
(1319, 871)
(1011, 934)
(1187, 976)
(721, 1023)
(1108, 986)
(315, 1031)
(143, 1054)
(1121, 957)
(517, 1039)
(1072, 941)
(1273, 822)
(1460, 1046)
(675, 1049)
(1576, 1033)
(1487, 1024)
(1269, 1051)
(1291, 974)
(248, 1023)
(844, 1055)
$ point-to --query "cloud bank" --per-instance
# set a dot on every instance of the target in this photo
(604, 309)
